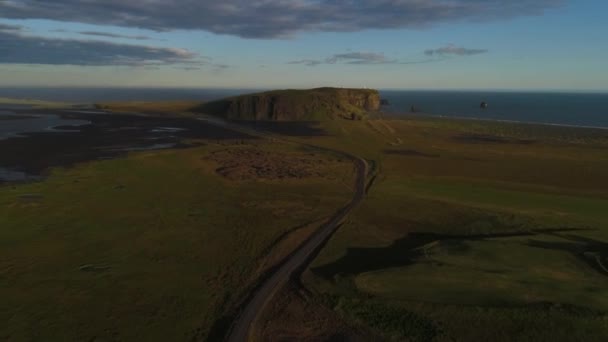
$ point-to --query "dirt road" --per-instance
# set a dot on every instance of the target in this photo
(298, 260)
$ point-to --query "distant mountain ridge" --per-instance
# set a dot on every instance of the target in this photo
(297, 105)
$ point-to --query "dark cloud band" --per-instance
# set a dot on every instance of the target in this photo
(112, 35)
(12, 28)
(19, 49)
(272, 18)
(371, 58)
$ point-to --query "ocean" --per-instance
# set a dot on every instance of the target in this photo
(577, 109)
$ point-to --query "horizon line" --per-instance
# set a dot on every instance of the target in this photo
(537, 90)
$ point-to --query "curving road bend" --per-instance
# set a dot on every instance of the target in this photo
(302, 256)
(297, 261)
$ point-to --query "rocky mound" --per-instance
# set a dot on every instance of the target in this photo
(297, 105)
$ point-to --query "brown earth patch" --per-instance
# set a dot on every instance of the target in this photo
(252, 163)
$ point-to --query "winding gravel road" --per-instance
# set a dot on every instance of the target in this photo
(297, 261)
(300, 258)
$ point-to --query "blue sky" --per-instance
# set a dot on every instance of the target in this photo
(401, 44)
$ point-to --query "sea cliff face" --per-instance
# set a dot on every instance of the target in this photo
(290, 105)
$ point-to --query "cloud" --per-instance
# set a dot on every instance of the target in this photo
(189, 68)
(106, 34)
(360, 58)
(307, 62)
(113, 35)
(272, 18)
(212, 66)
(454, 51)
(372, 58)
(19, 49)
(348, 58)
(12, 28)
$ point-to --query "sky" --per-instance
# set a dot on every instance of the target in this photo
(387, 44)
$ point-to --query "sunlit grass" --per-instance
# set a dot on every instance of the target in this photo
(545, 185)
(154, 246)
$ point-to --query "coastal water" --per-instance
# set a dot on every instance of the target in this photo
(12, 124)
(577, 109)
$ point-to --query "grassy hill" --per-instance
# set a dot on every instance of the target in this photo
(298, 105)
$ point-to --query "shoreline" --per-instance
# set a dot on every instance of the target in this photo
(102, 137)
(69, 110)
(399, 115)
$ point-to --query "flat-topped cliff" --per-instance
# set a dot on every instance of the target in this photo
(297, 105)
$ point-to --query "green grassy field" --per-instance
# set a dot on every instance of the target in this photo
(154, 246)
(473, 231)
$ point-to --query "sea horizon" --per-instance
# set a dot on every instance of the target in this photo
(565, 108)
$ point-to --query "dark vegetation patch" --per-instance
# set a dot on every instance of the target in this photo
(407, 321)
(251, 163)
(295, 315)
(107, 136)
(395, 323)
(411, 153)
(473, 138)
(407, 251)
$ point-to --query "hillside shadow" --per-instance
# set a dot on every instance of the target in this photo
(216, 108)
(406, 251)
(592, 252)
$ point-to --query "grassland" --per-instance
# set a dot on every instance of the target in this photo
(154, 246)
(472, 231)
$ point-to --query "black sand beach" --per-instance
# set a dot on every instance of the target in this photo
(106, 136)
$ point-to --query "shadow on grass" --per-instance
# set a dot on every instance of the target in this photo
(406, 251)
(592, 252)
